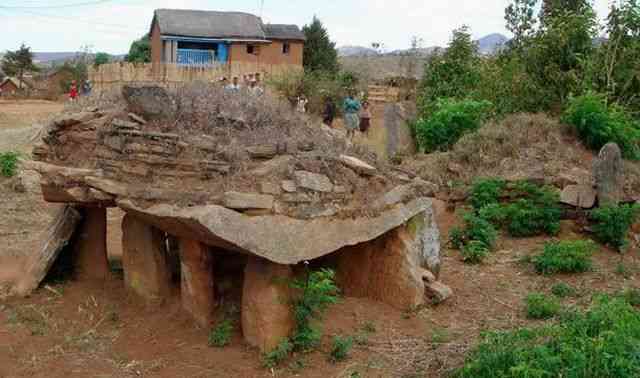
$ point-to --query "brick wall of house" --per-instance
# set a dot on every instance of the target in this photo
(271, 53)
(8, 87)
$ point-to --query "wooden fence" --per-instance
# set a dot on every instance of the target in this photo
(111, 77)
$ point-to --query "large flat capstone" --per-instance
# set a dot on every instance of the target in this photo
(282, 239)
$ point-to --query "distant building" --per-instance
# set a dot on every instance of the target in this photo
(11, 85)
(194, 37)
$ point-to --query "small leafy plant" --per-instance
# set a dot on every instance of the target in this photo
(611, 224)
(486, 192)
(541, 306)
(474, 252)
(563, 290)
(340, 348)
(277, 355)
(9, 163)
(565, 257)
(220, 336)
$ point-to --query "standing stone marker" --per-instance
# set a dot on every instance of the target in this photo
(607, 171)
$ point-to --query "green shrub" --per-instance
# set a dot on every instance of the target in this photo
(535, 215)
(540, 306)
(495, 213)
(450, 121)
(565, 257)
(317, 292)
(220, 336)
(602, 342)
(279, 354)
(474, 252)
(486, 192)
(340, 347)
(9, 163)
(563, 290)
(598, 124)
(478, 229)
(632, 296)
(611, 224)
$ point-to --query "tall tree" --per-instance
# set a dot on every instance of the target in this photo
(553, 8)
(140, 50)
(101, 58)
(319, 52)
(19, 62)
(520, 17)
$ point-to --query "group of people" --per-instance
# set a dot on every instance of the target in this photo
(74, 92)
(251, 82)
(357, 116)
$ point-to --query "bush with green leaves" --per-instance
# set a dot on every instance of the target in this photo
(565, 257)
(340, 348)
(220, 336)
(541, 306)
(9, 163)
(538, 213)
(317, 292)
(450, 120)
(485, 192)
(563, 290)
(601, 342)
(280, 353)
(598, 123)
(474, 252)
(611, 224)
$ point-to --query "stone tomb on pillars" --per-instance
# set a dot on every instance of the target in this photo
(218, 227)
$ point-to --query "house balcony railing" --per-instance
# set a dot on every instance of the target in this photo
(192, 57)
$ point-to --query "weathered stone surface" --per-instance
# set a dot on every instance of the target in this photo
(405, 192)
(244, 201)
(275, 166)
(197, 284)
(575, 176)
(266, 151)
(438, 292)
(386, 269)
(59, 235)
(313, 181)
(358, 165)
(282, 239)
(136, 118)
(296, 198)
(289, 186)
(151, 102)
(144, 260)
(66, 120)
(270, 188)
(608, 174)
(582, 196)
(266, 310)
(90, 248)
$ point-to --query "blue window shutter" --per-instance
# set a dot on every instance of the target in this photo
(223, 52)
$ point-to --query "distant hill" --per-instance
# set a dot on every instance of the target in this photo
(487, 45)
(53, 58)
(491, 43)
(346, 51)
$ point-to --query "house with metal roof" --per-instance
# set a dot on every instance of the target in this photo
(196, 37)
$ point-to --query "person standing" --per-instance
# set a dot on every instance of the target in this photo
(365, 118)
(73, 91)
(302, 104)
(329, 113)
(234, 87)
(351, 118)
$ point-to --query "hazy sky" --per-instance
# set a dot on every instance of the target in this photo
(111, 25)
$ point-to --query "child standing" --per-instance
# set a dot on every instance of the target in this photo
(365, 118)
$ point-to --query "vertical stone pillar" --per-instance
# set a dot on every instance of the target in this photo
(90, 249)
(146, 269)
(197, 285)
(267, 317)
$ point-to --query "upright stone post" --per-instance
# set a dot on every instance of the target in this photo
(146, 269)
(609, 176)
(90, 248)
(197, 285)
(267, 317)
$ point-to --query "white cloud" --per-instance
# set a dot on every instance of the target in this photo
(112, 26)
